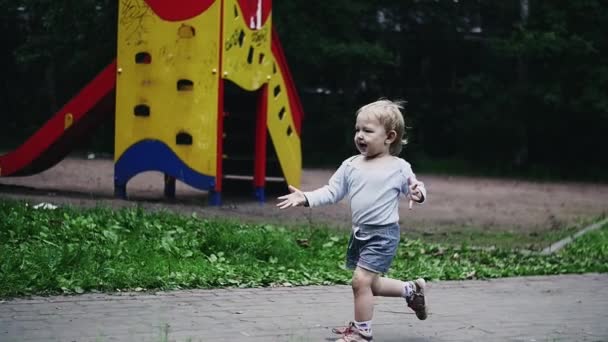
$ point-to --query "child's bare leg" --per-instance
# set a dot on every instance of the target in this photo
(387, 287)
(412, 291)
(364, 297)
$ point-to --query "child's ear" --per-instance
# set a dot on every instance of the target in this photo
(391, 136)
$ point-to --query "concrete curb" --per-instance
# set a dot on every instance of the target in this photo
(564, 242)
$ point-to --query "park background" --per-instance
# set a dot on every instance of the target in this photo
(507, 111)
(500, 88)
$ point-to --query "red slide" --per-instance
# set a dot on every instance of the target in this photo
(58, 136)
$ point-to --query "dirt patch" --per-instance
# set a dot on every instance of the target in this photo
(454, 202)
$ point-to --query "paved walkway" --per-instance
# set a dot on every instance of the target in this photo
(560, 308)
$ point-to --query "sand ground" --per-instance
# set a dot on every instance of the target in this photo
(453, 202)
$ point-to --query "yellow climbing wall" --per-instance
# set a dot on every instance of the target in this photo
(167, 82)
(282, 129)
(248, 62)
(247, 57)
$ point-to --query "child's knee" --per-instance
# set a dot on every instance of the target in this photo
(362, 279)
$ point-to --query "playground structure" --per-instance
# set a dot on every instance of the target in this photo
(202, 94)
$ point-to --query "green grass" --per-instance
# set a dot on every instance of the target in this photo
(72, 250)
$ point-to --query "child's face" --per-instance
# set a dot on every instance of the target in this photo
(371, 137)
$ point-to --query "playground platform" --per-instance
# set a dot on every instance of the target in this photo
(555, 308)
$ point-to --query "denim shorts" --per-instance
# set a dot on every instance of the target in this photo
(373, 247)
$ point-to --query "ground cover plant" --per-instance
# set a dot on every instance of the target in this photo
(71, 250)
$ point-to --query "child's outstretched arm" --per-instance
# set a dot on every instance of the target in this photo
(333, 192)
(294, 199)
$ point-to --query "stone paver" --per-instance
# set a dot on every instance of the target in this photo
(556, 308)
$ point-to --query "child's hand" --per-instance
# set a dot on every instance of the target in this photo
(415, 193)
(294, 199)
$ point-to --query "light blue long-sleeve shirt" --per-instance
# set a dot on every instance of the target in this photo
(373, 193)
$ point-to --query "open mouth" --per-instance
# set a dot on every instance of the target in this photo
(361, 145)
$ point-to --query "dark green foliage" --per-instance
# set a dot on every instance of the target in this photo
(72, 251)
(516, 97)
(53, 49)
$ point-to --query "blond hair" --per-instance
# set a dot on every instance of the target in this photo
(388, 113)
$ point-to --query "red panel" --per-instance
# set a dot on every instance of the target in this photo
(80, 105)
(219, 172)
(259, 172)
(250, 9)
(177, 10)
